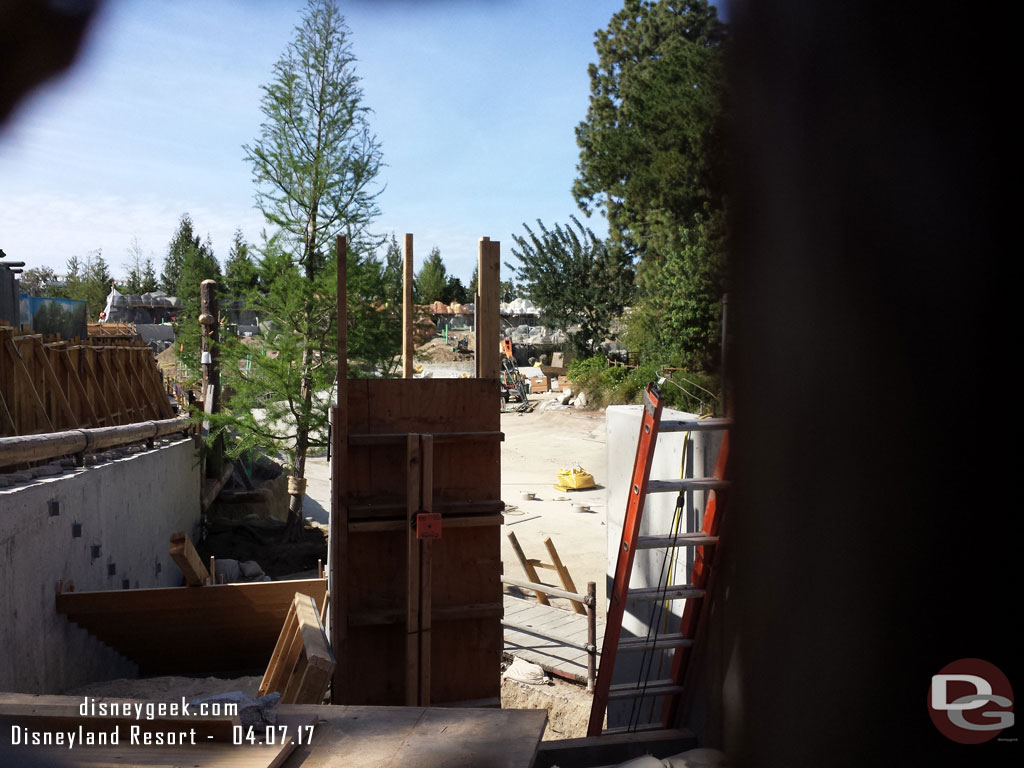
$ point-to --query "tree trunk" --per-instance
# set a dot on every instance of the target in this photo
(295, 522)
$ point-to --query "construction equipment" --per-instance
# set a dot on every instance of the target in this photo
(704, 541)
(514, 385)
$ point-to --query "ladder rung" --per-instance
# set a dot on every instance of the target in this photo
(632, 691)
(692, 484)
(694, 425)
(682, 540)
(675, 640)
(677, 592)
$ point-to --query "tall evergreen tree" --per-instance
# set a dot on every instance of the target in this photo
(432, 278)
(651, 158)
(314, 163)
(240, 274)
(393, 274)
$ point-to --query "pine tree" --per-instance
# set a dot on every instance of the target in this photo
(431, 279)
(314, 163)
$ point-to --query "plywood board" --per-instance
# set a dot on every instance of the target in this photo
(181, 630)
(464, 564)
(395, 737)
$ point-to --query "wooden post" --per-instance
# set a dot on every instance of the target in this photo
(413, 478)
(563, 574)
(337, 542)
(426, 568)
(407, 310)
(531, 572)
(209, 323)
(487, 318)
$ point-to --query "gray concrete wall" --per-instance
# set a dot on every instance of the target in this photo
(650, 568)
(127, 506)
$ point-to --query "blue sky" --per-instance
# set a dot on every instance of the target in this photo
(474, 101)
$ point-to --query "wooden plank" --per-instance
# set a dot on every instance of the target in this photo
(283, 657)
(317, 657)
(426, 571)
(337, 541)
(390, 737)
(487, 318)
(408, 310)
(563, 574)
(84, 411)
(413, 482)
(181, 629)
(27, 389)
(528, 568)
(188, 560)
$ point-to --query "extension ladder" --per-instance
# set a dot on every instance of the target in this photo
(693, 592)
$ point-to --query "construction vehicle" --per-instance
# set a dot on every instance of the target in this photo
(514, 385)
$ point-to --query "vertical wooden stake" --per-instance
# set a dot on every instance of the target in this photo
(407, 310)
(337, 542)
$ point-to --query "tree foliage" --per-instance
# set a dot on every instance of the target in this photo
(314, 162)
(141, 275)
(579, 283)
(189, 261)
(88, 280)
(651, 158)
(240, 274)
(432, 279)
(316, 158)
(39, 281)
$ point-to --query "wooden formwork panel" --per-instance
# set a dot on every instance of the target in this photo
(462, 416)
(190, 630)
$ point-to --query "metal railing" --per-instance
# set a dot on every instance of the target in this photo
(589, 601)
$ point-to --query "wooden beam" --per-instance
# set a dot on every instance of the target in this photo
(212, 486)
(531, 572)
(309, 678)
(487, 315)
(86, 413)
(426, 569)
(337, 534)
(408, 310)
(563, 574)
(188, 560)
(27, 387)
(59, 397)
(413, 480)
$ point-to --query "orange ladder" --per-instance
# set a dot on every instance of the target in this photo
(693, 592)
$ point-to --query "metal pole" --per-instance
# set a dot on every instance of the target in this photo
(591, 635)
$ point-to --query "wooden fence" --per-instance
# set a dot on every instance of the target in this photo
(48, 385)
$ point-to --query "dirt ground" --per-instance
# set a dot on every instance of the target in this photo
(568, 705)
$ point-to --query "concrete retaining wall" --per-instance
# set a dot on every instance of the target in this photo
(127, 507)
(622, 424)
